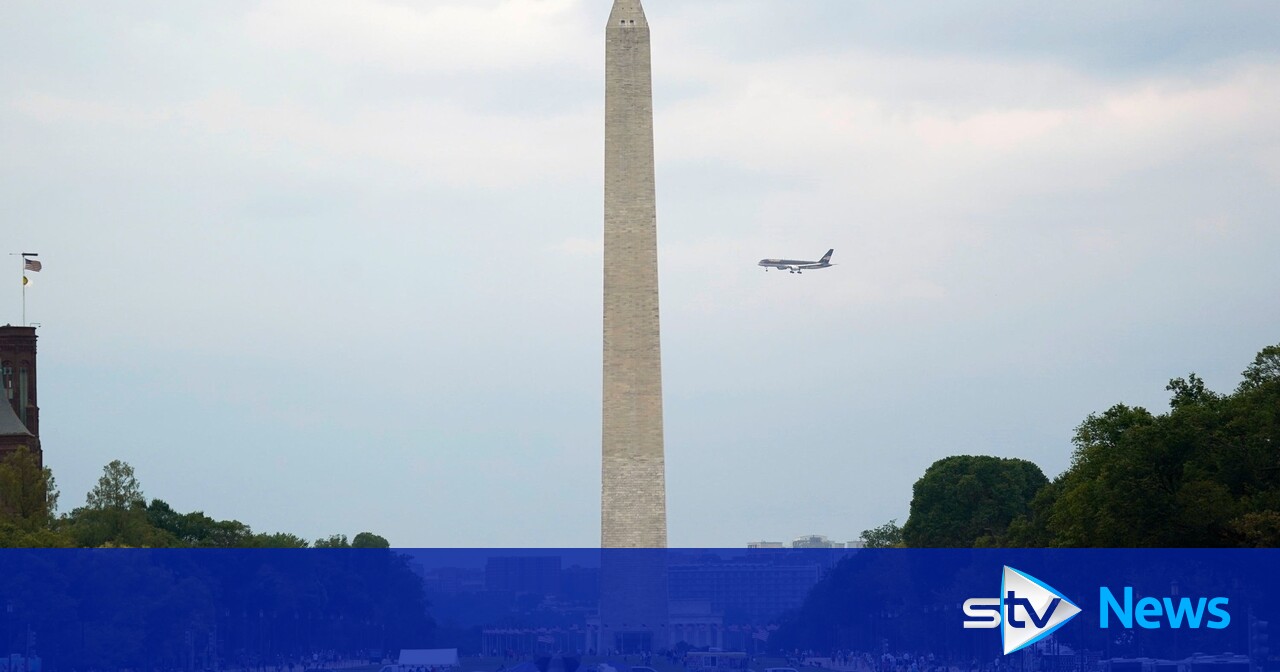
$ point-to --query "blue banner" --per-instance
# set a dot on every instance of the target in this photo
(705, 610)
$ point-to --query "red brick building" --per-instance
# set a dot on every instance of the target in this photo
(20, 417)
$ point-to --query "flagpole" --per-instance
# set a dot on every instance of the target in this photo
(22, 276)
(22, 279)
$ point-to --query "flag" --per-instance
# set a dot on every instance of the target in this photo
(32, 265)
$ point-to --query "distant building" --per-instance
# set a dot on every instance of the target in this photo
(580, 584)
(452, 580)
(20, 418)
(746, 591)
(814, 541)
(538, 575)
(806, 541)
(693, 622)
(696, 623)
(526, 641)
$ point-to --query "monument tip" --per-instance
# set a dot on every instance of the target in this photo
(627, 14)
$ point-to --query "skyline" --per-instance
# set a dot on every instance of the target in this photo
(349, 257)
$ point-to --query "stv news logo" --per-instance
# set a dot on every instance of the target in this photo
(1027, 611)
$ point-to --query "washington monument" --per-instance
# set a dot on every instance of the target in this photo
(633, 497)
(633, 484)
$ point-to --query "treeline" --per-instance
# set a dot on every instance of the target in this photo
(1206, 473)
(170, 607)
(117, 514)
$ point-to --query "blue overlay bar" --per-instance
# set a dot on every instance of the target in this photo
(712, 610)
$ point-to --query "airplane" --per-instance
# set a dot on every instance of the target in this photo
(796, 265)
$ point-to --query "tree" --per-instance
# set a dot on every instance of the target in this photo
(966, 500)
(1190, 390)
(1258, 529)
(28, 493)
(115, 514)
(333, 541)
(197, 529)
(1207, 473)
(13, 536)
(117, 488)
(888, 535)
(1102, 462)
(276, 540)
(1265, 367)
(369, 540)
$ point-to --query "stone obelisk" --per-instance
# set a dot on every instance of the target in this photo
(633, 502)
(633, 489)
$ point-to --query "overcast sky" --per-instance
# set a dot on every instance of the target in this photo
(329, 267)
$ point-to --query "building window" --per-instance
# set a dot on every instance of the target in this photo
(22, 394)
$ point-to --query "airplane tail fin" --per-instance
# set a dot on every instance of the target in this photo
(826, 258)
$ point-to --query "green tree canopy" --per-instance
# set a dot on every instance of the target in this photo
(197, 529)
(276, 540)
(1207, 473)
(888, 535)
(28, 493)
(967, 500)
(115, 513)
(333, 541)
(1265, 368)
(369, 540)
(117, 488)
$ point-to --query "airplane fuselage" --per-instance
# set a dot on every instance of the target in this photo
(783, 263)
(797, 265)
